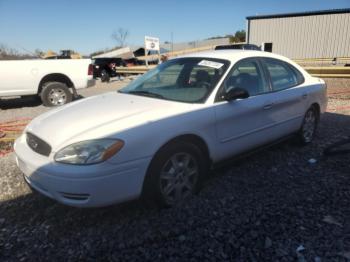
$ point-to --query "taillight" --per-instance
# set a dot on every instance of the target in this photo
(90, 70)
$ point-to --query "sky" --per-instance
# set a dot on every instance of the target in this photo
(87, 25)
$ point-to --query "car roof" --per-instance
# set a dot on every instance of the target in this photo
(235, 54)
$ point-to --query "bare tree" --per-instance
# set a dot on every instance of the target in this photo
(39, 53)
(120, 36)
(8, 53)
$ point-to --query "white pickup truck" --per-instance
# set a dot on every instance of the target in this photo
(54, 81)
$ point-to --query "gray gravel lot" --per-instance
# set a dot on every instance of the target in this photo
(258, 208)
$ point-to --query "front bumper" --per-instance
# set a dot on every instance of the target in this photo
(81, 186)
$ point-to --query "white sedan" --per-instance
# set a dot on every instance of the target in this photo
(159, 135)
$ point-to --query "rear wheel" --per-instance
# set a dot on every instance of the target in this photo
(105, 77)
(55, 94)
(175, 173)
(309, 126)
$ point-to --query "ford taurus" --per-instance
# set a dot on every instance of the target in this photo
(159, 135)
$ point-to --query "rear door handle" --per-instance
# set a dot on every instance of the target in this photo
(268, 106)
(304, 96)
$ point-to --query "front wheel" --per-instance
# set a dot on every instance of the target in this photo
(309, 126)
(175, 173)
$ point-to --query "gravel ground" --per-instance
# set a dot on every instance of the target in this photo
(260, 208)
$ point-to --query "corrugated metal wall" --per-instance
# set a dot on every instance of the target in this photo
(318, 36)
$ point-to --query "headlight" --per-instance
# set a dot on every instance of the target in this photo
(89, 152)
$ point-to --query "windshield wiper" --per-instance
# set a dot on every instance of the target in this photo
(146, 93)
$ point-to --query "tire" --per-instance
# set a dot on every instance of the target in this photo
(175, 174)
(309, 126)
(105, 77)
(55, 94)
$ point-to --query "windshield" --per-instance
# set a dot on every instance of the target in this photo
(188, 80)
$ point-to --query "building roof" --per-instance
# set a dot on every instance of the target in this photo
(310, 13)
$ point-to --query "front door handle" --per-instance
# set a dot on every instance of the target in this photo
(268, 106)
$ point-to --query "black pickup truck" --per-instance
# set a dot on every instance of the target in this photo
(104, 68)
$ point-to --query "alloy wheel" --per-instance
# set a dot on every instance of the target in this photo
(57, 96)
(309, 125)
(178, 177)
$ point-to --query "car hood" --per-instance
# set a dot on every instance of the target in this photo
(100, 116)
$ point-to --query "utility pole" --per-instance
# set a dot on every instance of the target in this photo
(172, 43)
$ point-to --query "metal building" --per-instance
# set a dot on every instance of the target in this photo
(319, 34)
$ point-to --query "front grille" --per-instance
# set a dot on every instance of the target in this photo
(38, 145)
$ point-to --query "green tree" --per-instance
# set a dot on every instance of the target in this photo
(238, 37)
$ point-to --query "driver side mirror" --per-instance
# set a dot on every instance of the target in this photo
(235, 93)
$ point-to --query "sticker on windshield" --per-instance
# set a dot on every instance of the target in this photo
(212, 64)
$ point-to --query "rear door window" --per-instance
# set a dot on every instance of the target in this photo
(282, 74)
